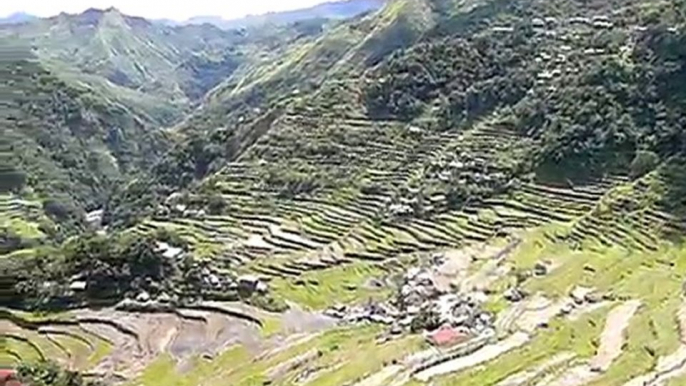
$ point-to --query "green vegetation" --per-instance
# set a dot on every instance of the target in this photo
(66, 147)
(341, 285)
(311, 158)
(342, 354)
(578, 337)
(111, 268)
(50, 374)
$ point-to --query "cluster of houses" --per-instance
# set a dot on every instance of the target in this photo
(414, 199)
(566, 31)
(458, 317)
(548, 24)
(211, 279)
(246, 284)
(464, 168)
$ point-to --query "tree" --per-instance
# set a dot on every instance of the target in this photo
(47, 373)
(115, 265)
(428, 319)
(643, 163)
(11, 179)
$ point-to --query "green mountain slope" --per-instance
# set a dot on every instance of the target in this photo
(105, 85)
(340, 52)
(127, 52)
(163, 69)
(64, 145)
(240, 110)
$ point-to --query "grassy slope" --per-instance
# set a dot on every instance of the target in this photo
(342, 285)
(621, 272)
(345, 354)
(301, 67)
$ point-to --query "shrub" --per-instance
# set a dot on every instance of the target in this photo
(643, 163)
(48, 373)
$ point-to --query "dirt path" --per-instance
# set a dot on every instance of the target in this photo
(613, 335)
(482, 355)
(670, 366)
(382, 377)
(539, 309)
(524, 377)
(610, 348)
(454, 268)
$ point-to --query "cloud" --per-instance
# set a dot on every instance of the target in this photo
(178, 10)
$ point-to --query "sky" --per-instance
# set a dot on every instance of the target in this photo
(157, 9)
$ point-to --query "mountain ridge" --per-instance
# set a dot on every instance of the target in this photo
(335, 10)
(17, 18)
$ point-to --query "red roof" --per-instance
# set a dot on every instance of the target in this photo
(6, 374)
(8, 378)
(447, 336)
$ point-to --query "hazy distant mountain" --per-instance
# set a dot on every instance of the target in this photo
(176, 64)
(332, 10)
(16, 18)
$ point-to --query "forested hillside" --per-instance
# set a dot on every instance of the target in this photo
(64, 146)
(88, 100)
(163, 70)
(441, 192)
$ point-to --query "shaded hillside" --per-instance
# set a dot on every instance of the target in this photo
(163, 70)
(66, 146)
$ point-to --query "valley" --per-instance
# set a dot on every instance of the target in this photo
(439, 192)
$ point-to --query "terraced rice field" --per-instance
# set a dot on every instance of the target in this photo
(22, 219)
(120, 345)
(321, 246)
(321, 249)
(371, 163)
